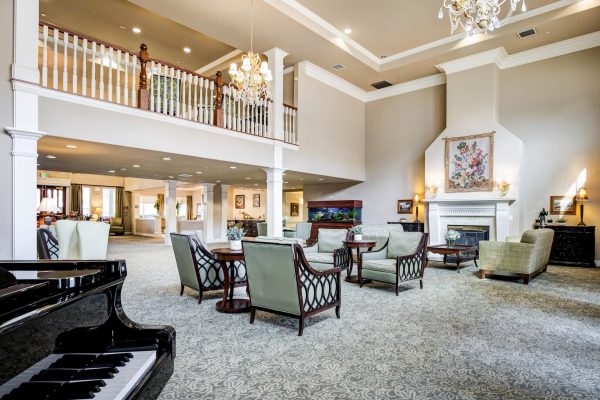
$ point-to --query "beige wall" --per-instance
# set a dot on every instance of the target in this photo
(289, 198)
(553, 106)
(255, 212)
(6, 120)
(288, 89)
(331, 128)
(399, 129)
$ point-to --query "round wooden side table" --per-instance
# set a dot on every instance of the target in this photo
(226, 258)
(357, 244)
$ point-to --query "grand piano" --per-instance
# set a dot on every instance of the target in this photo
(64, 335)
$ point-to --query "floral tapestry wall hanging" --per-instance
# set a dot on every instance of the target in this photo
(469, 163)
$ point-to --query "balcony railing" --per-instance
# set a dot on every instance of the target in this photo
(78, 64)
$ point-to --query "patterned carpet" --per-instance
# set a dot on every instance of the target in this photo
(458, 338)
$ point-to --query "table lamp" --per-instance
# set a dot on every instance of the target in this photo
(417, 202)
(48, 206)
(581, 197)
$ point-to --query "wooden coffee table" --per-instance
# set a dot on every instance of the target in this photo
(461, 251)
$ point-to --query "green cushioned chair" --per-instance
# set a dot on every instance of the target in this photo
(321, 254)
(198, 268)
(402, 259)
(303, 230)
(525, 259)
(116, 226)
(281, 281)
(261, 228)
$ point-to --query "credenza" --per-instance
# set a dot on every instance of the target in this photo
(572, 245)
(410, 226)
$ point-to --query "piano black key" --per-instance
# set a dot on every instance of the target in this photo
(74, 361)
(79, 390)
(111, 360)
(96, 373)
(34, 391)
(53, 374)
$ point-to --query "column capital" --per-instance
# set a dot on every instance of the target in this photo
(275, 54)
(17, 133)
(273, 171)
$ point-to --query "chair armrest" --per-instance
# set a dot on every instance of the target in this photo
(313, 248)
(380, 254)
(507, 256)
(325, 283)
(342, 258)
(412, 266)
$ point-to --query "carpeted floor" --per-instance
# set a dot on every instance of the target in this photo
(458, 338)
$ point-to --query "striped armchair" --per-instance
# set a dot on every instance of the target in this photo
(525, 259)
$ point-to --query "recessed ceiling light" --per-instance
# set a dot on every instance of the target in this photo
(320, 179)
(50, 156)
(135, 166)
(135, 29)
(185, 175)
(198, 172)
(43, 15)
(256, 184)
(167, 158)
(286, 182)
(347, 31)
(187, 50)
(233, 167)
(122, 27)
(247, 178)
(112, 171)
(71, 146)
(218, 181)
(123, 169)
(171, 177)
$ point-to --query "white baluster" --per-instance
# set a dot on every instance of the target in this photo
(84, 69)
(133, 76)
(211, 110)
(45, 56)
(165, 101)
(101, 88)
(285, 125)
(189, 103)
(75, 43)
(178, 102)
(126, 81)
(118, 76)
(65, 84)
(110, 69)
(201, 99)
(243, 115)
(55, 65)
(196, 110)
(93, 69)
(253, 118)
(206, 101)
(269, 129)
(172, 76)
(238, 116)
(227, 95)
(150, 81)
(261, 120)
(294, 131)
(159, 102)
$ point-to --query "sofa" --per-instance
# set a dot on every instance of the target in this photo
(82, 240)
(523, 260)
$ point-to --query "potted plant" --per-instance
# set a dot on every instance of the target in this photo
(357, 231)
(451, 237)
(235, 234)
(561, 220)
(157, 205)
(177, 207)
(284, 221)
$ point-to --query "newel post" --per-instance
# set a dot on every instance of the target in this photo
(218, 120)
(143, 86)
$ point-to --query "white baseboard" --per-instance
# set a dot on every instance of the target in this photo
(597, 262)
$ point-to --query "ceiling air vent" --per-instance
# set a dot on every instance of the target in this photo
(526, 33)
(381, 84)
(338, 67)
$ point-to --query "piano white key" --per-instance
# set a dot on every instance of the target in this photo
(26, 375)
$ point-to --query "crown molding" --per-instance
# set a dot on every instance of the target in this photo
(332, 80)
(406, 87)
(289, 70)
(494, 56)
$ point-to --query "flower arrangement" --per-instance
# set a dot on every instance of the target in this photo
(177, 207)
(451, 237)
(235, 233)
(157, 204)
(357, 230)
(284, 221)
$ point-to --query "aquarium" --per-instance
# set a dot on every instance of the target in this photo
(335, 214)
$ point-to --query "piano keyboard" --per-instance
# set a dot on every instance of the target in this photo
(100, 376)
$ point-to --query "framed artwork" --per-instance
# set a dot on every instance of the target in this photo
(469, 163)
(294, 209)
(405, 206)
(562, 205)
(240, 201)
(256, 200)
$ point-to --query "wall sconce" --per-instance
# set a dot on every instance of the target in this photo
(502, 186)
(431, 191)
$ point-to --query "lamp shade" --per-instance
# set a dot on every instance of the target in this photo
(98, 210)
(48, 205)
(417, 199)
(582, 194)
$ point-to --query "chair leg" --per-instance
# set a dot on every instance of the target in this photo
(421, 283)
(337, 310)
(200, 296)
(397, 290)
(252, 314)
(301, 326)
(526, 281)
(181, 291)
(481, 274)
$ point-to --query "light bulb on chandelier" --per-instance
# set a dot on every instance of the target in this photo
(252, 80)
(482, 14)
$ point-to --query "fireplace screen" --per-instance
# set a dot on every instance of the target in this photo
(471, 234)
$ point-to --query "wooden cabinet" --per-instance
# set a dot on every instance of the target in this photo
(249, 225)
(333, 214)
(573, 245)
(410, 226)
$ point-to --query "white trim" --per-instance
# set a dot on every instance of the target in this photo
(332, 80)
(406, 87)
(312, 21)
(219, 61)
(289, 70)
(494, 56)
(104, 105)
(24, 134)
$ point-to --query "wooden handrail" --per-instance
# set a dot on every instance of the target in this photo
(290, 106)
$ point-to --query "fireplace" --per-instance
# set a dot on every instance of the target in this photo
(469, 235)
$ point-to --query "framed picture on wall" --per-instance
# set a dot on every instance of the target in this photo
(405, 206)
(469, 162)
(240, 201)
(256, 200)
(562, 205)
(294, 209)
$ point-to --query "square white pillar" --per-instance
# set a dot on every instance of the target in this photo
(276, 56)
(224, 210)
(274, 201)
(208, 194)
(170, 209)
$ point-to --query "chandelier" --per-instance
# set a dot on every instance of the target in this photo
(482, 14)
(252, 80)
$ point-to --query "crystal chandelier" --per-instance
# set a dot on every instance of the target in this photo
(252, 80)
(482, 14)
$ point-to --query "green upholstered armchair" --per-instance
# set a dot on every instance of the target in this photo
(402, 259)
(303, 230)
(524, 259)
(116, 226)
(281, 281)
(322, 254)
(198, 268)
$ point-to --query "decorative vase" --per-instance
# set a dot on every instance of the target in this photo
(235, 244)
(358, 236)
(450, 243)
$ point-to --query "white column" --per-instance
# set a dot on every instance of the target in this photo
(435, 229)
(170, 210)
(209, 217)
(224, 212)
(276, 56)
(274, 201)
(24, 199)
(26, 19)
